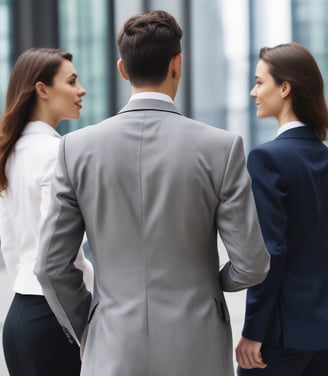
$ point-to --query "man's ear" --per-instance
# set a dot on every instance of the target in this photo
(121, 69)
(285, 89)
(41, 90)
(177, 66)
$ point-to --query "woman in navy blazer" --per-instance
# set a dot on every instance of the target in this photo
(286, 322)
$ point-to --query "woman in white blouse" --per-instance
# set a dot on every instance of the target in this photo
(43, 89)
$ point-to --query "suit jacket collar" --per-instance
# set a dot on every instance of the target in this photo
(299, 132)
(149, 104)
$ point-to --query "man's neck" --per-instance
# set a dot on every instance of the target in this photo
(163, 88)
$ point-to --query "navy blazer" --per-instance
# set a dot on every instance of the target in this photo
(290, 185)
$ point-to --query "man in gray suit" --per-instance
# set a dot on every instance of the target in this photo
(152, 189)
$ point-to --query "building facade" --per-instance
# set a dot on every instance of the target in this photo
(220, 47)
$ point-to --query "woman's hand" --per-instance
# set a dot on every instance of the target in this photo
(248, 354)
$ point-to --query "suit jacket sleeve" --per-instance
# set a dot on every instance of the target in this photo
(269, 189)
(238, 226)
(60, 240)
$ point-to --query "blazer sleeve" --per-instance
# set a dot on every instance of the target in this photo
(270, 190)
(239, 227)
(60, 240)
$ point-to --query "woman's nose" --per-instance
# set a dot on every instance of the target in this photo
(82, 91)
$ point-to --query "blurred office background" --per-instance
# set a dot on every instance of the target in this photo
(220, 45)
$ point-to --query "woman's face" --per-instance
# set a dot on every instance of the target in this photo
(65, 94)
(268, 94)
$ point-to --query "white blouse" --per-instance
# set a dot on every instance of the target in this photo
(24, 204)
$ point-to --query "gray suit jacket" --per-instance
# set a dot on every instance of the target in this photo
(151, 188)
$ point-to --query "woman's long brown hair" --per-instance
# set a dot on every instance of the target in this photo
(34, 65)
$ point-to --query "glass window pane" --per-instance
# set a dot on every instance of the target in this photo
(4, 50)
(83, 32)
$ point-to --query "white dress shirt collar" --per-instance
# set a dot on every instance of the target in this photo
(151, 95)
(290, 125)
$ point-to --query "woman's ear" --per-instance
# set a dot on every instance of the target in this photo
(121, 69)
(285, 89)
(41, 90)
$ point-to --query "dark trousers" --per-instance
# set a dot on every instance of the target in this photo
(286, 362)
(34, 343)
